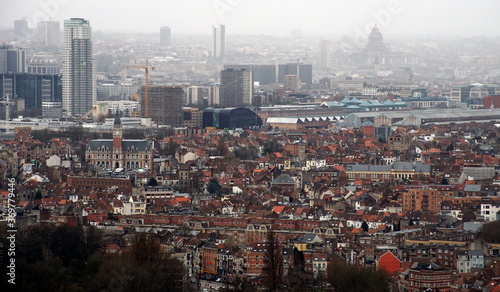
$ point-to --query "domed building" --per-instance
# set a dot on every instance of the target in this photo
(376, 52)
(376, 41)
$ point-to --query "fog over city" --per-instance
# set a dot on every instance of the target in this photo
(261, 17)
(250, 145)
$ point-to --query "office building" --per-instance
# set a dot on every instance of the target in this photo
(305, 72)
(325, 48)
(21, 28)
(472, 94)
(116, 90)
(164, 105)
(78, 68)
(192, 117)
(44, 64)
(49, 33)
(194, 95)
(264, 74)
(165, 36)
(214, 95)
(39, 92)
(219, 41)
(12, 60)
(236, 88)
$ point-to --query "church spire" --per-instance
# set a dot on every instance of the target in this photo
(118, 121)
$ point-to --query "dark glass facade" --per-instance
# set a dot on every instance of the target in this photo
(230, 118)
(33, 88)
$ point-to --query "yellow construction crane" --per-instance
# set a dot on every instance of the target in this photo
(146, 85)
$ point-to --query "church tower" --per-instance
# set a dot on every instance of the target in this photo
(117, 142)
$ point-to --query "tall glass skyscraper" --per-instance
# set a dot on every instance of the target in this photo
(78, 69)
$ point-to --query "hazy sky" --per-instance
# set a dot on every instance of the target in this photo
(269, 17)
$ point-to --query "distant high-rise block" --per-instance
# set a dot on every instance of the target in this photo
(39, 91)
(219, 41)
(51, 33)
(305, 72)
(236, 88)
(325, 54)
(21, 27)
(78, 69)
(214, 95)
(165, 36)
(264, 74)
(12, 60)
(165, 104)
(194, 95)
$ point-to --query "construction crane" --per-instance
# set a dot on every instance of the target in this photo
(146, 85)
(297, 70)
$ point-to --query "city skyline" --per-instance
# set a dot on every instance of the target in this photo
(325, 18)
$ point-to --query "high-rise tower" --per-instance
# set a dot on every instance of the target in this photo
(12, 60)
(325, 54)
(219, 41)
(49, 33)
(236, 87)
(165, 36)
(78, 68)
(165, 104)
(21, 27)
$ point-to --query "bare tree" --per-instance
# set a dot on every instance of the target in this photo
(273, 264)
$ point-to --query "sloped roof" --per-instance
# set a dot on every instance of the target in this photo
(283, 179)
(141, 145)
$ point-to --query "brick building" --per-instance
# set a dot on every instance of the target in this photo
(164, 105)
(98, 182)
(424, 199)
(424, 276)
(119, 152)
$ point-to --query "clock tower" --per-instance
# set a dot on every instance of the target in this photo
(117, 142)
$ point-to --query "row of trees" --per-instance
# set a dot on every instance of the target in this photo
(66, 258)
(490, 232)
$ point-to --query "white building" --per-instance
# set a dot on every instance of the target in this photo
(123, 107)
(213, 95)
(194, 95)
(219, 41)
(79, 90)
(490, 211)
(470, 259)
